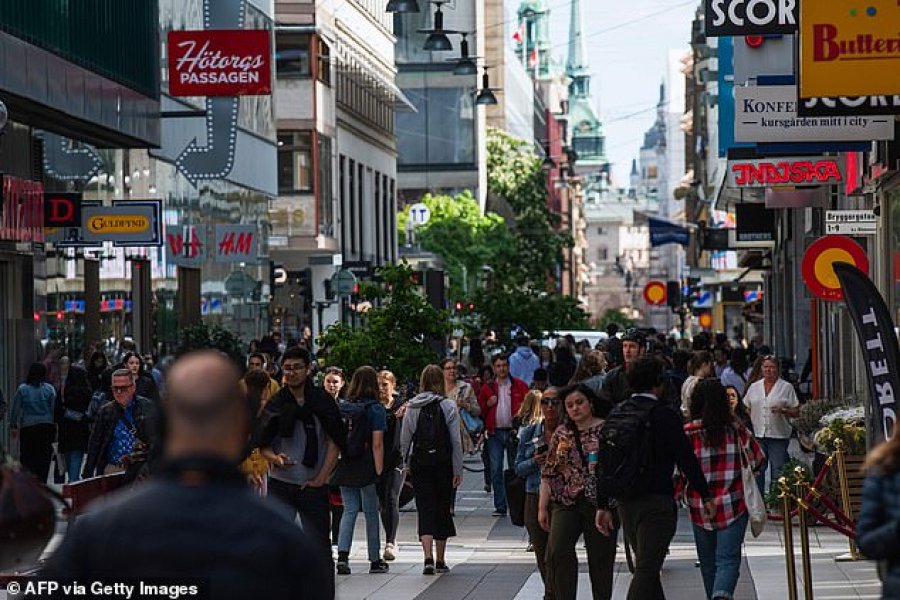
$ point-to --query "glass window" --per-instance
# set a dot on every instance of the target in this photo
(441, 131)
(295, 164)
(292, 55)
(323, 67)
(602, 253)
(325, 199)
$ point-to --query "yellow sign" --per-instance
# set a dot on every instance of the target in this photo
(118, 224)
(849, 48)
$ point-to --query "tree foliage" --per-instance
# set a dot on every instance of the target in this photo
(394, 334)
(613, 315)
(201, 336)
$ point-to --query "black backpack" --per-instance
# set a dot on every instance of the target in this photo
(359, 431)
(625, 447)
(431, 442)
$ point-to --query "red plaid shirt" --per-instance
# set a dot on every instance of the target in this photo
(722, 466)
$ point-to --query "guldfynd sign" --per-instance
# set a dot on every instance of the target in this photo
(220, 63)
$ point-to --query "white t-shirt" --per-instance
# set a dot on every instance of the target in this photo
(503, 416)
(765, 423)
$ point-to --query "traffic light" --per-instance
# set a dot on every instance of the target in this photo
(304, 285)
(694, 290)
(673, 294)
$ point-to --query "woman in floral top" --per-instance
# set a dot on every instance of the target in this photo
(718, 439)
(568, 499)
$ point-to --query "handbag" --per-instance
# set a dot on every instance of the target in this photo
(474, 425)
(756, 506)
(515, 497)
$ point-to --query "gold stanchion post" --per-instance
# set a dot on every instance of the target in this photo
(800, 486)
(790, 565)
(845, 494)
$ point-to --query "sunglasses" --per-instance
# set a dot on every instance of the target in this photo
(550, 402)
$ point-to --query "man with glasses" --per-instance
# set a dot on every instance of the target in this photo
(123, 426)
(302, 436)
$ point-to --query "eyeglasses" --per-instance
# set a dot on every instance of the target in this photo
(293, 368)
(121, 389)
(550, 402)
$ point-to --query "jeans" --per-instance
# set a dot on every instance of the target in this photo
(567, 524)
(720, 557)
(73, 464)
(649, 522)
(356, 499)
(388, 488)
(499, 443)
(776, 450)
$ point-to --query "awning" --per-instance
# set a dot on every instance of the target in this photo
(367, 74)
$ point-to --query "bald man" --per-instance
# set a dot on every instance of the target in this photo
(196, 518)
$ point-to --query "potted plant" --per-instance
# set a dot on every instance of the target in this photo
(809, 421)
(773, 502)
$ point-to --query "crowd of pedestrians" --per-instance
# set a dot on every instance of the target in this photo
(605, 440)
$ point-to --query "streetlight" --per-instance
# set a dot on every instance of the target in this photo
(465, 64)
(486, 93)
(437, 40)
(402, 6)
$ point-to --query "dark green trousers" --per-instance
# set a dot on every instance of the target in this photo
(539, 539)
(649, 522)
(567, 524)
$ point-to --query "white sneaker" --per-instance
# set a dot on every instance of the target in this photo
(389, 552)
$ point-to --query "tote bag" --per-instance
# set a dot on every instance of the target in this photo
(753, 498)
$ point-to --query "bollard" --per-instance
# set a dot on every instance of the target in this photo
(800, 486)
(845, 490)
(790, 565)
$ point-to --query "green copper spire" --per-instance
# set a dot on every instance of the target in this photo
(587, 130)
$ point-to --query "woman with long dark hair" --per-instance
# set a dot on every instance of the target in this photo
(144, 384)
(74, 427)
(32, 416)
(879, 516)
(563, 369)
(720, 442)
(96, 366)
(568, 498)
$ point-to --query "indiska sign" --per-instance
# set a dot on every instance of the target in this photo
(22, 210)
(220, 63)
(750, 17)
(768, 172)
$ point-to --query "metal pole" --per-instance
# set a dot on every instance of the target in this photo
(800, 491)
(845, 490)
(790, 565)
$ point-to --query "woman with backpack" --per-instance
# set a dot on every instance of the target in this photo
(432, 449)
(720, 442)
(391, 481)
(360, 466)
(568, 498)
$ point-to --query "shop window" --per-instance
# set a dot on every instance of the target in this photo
(292, 58)
(295, 162)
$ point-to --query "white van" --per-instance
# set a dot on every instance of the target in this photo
(591, 336)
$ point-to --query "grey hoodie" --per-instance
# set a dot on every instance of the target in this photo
(411, 418)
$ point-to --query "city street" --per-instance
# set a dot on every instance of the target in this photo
(488, 560)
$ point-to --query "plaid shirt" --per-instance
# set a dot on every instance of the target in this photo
(722, 466)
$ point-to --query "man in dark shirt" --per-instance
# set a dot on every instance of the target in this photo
(196, 518)
(649, 515)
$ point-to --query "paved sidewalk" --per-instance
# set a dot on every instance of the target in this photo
(488, 561)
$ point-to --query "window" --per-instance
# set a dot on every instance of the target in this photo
(323, 62)
(602, 253)
(440, 131)
(295, 165)
(377, 220)
(351, 198)
(599, 231)
(342, 197)
(361, 209)
(325, 199)
(292, 56)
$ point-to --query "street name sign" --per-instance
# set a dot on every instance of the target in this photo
(851, 222)
(769, 114)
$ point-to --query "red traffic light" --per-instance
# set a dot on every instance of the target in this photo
(59, 315)
(471, 306)
(459, 306)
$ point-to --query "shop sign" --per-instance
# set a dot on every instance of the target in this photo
(767, 172)
(62, 210)
(755, 226)
(750, 17)
(844, 106)
(117, 224)
(185, 246)
(22, 210)
(220, 63)
(849, 49)
(154, 236)
(851, 222)
(655, 293)
(769, 114)
(236, 243)
(817, 267)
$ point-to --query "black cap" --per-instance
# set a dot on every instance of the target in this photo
(634, 335)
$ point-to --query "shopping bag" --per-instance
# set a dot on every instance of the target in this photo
(753, 498)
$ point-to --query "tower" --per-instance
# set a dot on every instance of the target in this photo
(533, 37)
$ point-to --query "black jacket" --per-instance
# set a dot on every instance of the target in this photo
(217, 531)
(145, 414)
(280, 414)
(616, 388)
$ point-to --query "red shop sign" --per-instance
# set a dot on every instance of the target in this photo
(220, 63)
(22, 210)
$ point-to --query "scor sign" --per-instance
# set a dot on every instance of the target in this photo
(219, 63)
(750, 17)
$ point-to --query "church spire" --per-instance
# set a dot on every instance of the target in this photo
(577, 61)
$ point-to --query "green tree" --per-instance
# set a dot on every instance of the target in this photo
(464, 238)
(614, 315)
(394, 334)
(201, 336)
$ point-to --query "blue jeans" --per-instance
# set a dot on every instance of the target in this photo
(776, 450)
(356, 499)
(73, 464)
(720, 557)
(499, 443)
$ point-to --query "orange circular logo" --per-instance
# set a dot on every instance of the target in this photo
(818, 264)
(705, 320)
(655, 293)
